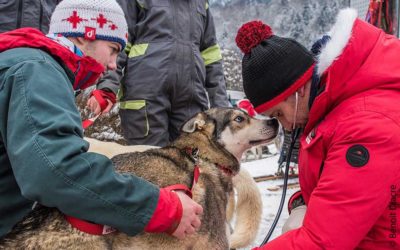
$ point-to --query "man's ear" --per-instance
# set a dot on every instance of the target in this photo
(80, 42)
(195, 123)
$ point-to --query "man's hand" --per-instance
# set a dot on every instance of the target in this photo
(295, 219)
(94, 106)
(191, 214)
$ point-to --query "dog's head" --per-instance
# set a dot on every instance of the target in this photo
(233, 129)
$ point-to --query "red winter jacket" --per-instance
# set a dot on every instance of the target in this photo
(350, 151)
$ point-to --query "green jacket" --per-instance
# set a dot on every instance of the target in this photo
(44, 159)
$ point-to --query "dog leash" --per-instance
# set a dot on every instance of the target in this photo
(182, 187)
(194, 153)
(88, 227)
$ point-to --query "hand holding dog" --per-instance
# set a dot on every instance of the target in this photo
(191, 213)
(95, 107)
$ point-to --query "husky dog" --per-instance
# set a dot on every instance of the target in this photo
(213, 140)
(247, 207)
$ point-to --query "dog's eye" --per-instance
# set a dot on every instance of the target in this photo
(239, 119)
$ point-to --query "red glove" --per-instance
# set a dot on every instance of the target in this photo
(102, 96)
(164, 218)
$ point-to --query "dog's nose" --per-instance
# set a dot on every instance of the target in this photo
(273, 123)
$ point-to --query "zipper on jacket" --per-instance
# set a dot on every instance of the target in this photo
(41, 14)
(19, 14)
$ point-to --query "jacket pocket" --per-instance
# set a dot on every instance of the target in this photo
(138, 50)
(134, 121)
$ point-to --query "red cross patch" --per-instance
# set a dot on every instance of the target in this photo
(75, 19)
(101, 20)
(113, 27)
(90, 33)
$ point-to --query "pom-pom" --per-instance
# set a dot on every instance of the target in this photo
(252, 34)
(246, 106)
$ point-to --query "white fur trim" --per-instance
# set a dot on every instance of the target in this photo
(76, 17)
(340, 35)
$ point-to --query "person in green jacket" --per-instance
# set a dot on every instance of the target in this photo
(43, 157)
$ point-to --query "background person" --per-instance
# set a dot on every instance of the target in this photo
(15, 14)
(171, 70)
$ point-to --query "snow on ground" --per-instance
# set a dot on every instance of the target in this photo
(270, 199)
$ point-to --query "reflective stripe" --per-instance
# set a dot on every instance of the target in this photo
(140, 4)
(211, 54)
(138, 50)
(128, 48)
(137, 105)
(120, 94)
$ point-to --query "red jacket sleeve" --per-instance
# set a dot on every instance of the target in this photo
(294, 197)
(348, 201)
(167, 214)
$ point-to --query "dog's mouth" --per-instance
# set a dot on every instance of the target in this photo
(262, 141)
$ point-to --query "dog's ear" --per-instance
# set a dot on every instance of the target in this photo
(195, 123)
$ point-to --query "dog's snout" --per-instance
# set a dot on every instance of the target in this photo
(273, 123)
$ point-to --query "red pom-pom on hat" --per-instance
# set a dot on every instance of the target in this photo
(252, 34)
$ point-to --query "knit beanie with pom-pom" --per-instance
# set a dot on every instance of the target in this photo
(273, 67)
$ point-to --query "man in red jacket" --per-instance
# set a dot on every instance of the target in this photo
(349, 109)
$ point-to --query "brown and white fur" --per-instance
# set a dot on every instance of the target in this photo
(220, 135)
(247, 207)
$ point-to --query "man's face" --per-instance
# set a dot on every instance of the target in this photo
(285, 112)
(104, 52)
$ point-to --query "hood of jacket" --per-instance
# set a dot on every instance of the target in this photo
(358, 58)
(85, 70)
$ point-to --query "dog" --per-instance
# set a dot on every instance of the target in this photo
(247, 207)
(219, 136)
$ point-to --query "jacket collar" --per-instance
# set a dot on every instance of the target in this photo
(344, 64)
(84, 70)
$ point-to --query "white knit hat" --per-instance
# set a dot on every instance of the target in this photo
(91, 19)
